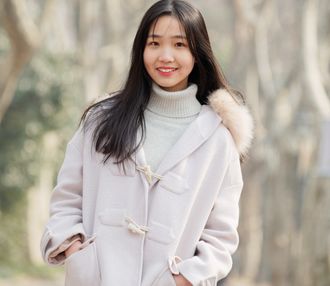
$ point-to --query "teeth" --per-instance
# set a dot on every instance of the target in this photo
(166, 70)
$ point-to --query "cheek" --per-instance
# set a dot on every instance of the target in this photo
(189, 62)
(148, 60)
(145, 58)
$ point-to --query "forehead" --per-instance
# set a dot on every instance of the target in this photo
(167, 26)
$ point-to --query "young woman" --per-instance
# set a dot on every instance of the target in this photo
(148, 192)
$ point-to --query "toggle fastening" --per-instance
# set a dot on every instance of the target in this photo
(148, 173)
(136, 228)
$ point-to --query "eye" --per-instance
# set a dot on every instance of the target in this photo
(153, 44)
(180, 44)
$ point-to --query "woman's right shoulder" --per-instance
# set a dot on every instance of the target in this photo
(92, 118)
(101, 105)
(97, 109)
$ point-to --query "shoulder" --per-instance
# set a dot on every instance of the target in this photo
(98, 111)
(237, 123)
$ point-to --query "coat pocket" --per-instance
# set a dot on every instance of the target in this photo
(82, 267)
(113, 216)
(165, 278)
(174, 183)
(160, 233)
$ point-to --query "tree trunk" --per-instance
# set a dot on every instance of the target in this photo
(24, 39)
(310, 51)
(39, 196)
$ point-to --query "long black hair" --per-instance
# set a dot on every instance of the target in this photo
(117, 119)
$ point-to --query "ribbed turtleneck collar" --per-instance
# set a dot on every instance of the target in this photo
(177, 104)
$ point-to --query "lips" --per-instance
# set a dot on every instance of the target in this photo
(166, 69)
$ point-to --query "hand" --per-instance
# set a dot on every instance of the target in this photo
(73, 248)
(181, 281)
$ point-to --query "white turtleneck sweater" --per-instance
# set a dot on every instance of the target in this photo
(167, 116)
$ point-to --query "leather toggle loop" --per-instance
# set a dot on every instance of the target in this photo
(172, 264)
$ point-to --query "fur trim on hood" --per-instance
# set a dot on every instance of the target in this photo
(236, 117)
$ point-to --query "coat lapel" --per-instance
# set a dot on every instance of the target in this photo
(196, 133)
(140, 157)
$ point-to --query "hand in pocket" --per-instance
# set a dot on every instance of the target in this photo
(181, 281)
(73, 248)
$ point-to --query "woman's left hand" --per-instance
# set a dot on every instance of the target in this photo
(181, 281)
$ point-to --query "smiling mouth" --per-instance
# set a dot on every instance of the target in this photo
(166, 70)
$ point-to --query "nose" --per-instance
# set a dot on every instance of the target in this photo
(166, 55)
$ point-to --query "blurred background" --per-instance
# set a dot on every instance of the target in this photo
(56, 57)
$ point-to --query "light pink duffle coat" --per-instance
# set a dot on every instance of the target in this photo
(144, 227)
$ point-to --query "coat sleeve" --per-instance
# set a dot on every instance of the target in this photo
(66, 202)
(219, 239)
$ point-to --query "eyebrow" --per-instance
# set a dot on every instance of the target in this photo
(173, 37)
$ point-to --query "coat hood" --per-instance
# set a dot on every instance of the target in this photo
(236, 117)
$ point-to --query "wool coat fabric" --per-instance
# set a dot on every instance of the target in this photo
(141, 227)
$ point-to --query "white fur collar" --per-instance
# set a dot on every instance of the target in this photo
(236, 117)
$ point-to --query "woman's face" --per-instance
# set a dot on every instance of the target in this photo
(167, 57)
